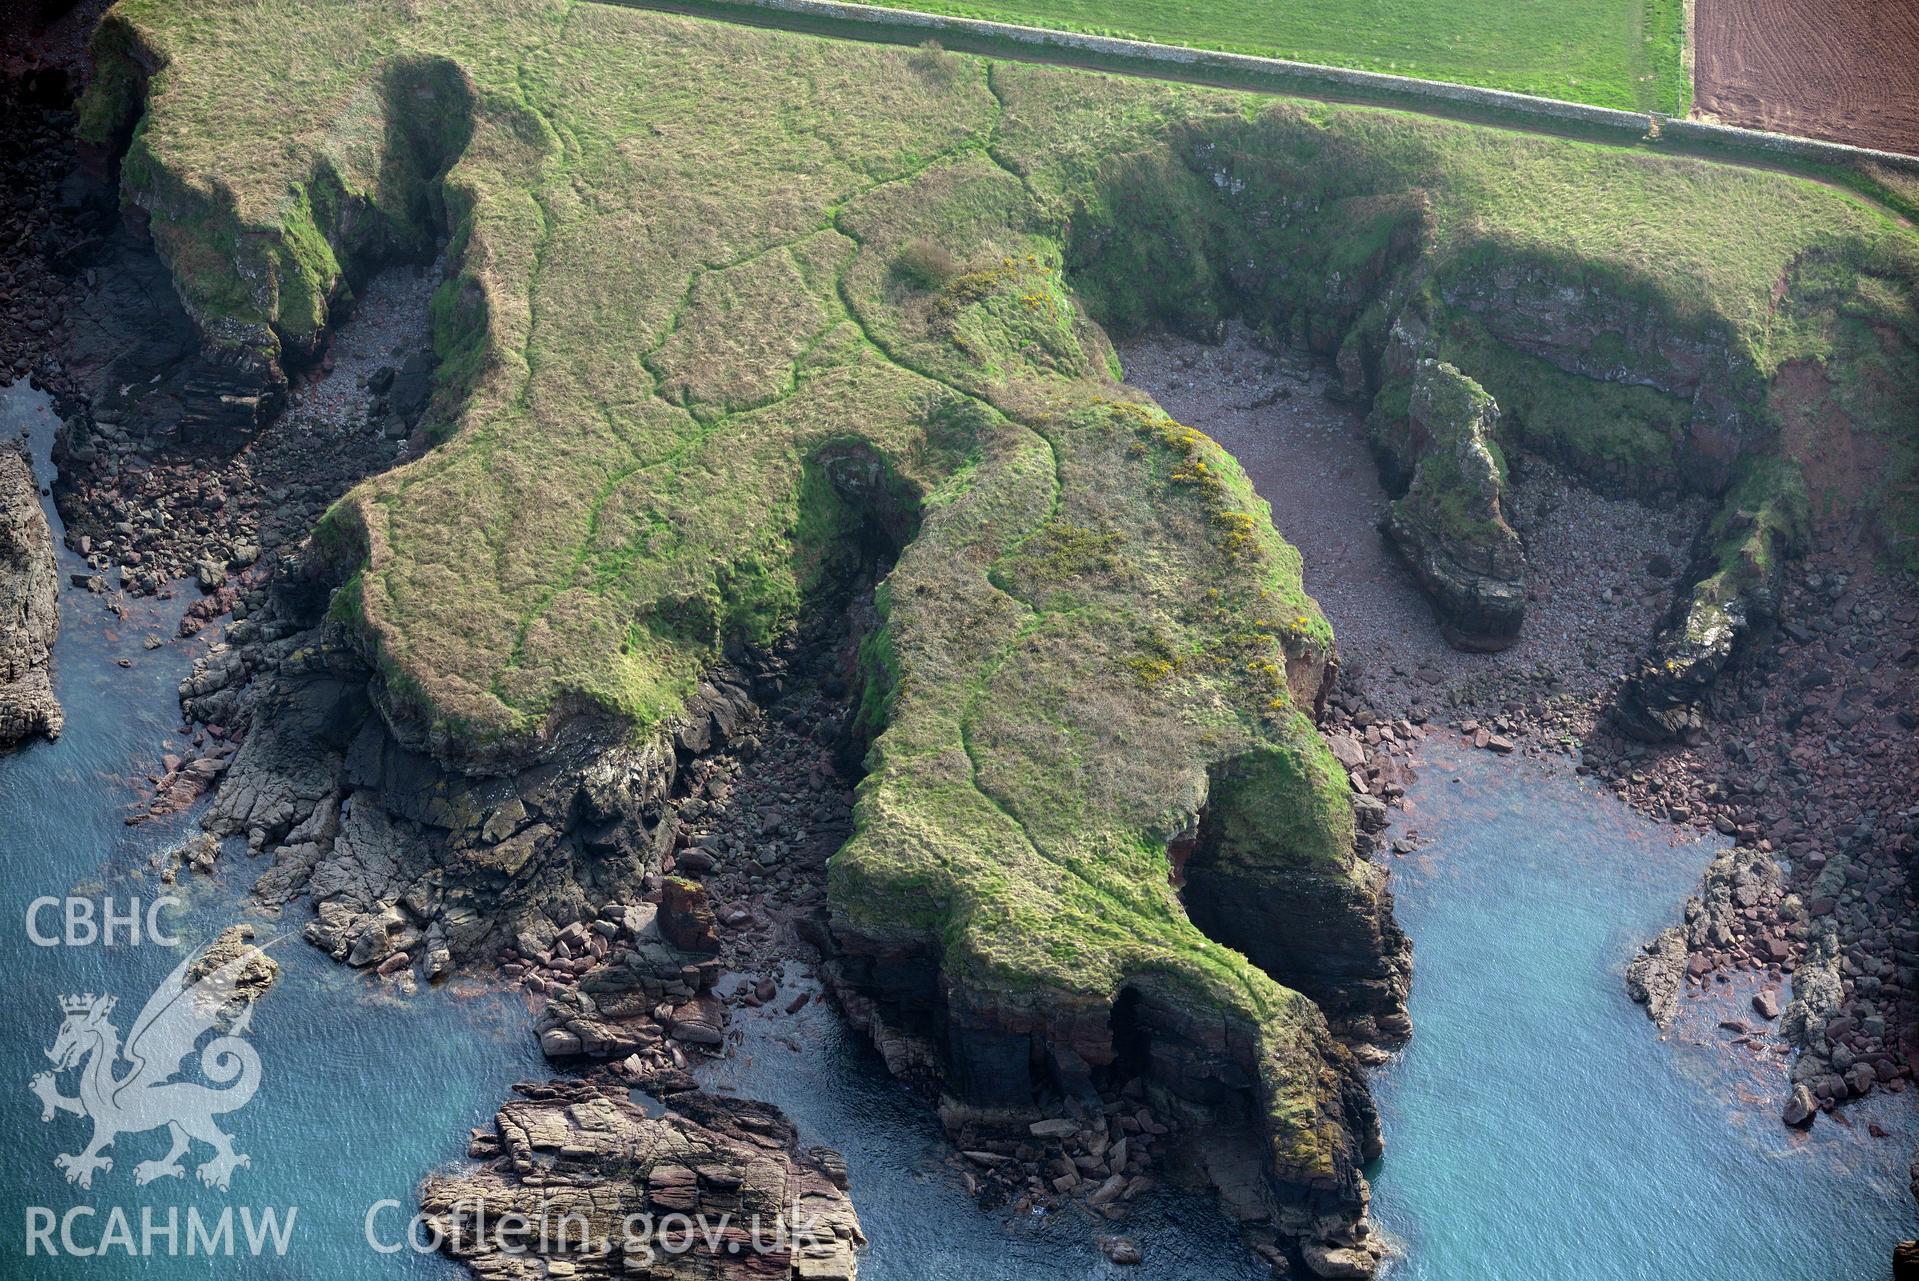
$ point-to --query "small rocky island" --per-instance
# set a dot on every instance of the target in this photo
(579, 1180)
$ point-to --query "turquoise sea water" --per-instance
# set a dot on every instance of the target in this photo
(1536, 1128)
(359, 1095)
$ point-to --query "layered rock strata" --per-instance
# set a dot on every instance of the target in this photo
(575, 1179)
(1311, 912)
(401, 857)
(1003, 1062)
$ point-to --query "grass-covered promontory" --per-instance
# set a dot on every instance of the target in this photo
(685, 359)
(726, 298)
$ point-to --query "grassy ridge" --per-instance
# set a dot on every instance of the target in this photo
(725, 294)
(681, 362)
(1610, 53)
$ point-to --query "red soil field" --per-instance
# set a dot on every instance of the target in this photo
(1845, 70)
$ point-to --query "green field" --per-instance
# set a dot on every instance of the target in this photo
(1611, 53)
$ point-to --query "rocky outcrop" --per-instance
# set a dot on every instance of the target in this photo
(1815, 1025)
(1004, 1062)
(1810, 767)
(1323, 930)
(1273, 868)
(411, 866)
(256, 977)
(1664, 700)
(632, 993)
(686, 918)
(1736, 590)
(1738, 886)
(1448, 523)
(712, 1190)
(29, 606)
(1655, 977)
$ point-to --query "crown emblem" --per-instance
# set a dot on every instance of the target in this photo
(168, 1032)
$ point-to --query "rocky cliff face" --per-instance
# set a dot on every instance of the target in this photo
(604, 1190)
(409, 864)
(1600, 329)
(1003, 1063)
(1336, 942)
(1313, 913)
(1609, 364)
(29, 606)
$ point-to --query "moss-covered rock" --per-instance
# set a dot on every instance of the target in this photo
(1738, 568)
(1448, 523)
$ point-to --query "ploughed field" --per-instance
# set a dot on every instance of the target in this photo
(1846, 72)
(1611, 53)
(738, 310)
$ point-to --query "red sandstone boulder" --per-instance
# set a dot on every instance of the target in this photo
(686, 917)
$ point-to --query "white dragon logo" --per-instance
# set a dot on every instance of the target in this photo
(146, 1097)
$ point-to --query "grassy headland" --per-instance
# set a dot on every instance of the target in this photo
(727, 296)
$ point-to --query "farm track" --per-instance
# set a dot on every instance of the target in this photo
(1846, 73)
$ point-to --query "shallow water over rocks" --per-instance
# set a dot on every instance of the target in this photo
(360, 1095)
(1537, 1126)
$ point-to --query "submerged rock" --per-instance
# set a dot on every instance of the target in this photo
(1449, 525)
(1654, 978)
(29, 606)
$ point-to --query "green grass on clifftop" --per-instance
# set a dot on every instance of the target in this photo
(682, 364)
(727, 295)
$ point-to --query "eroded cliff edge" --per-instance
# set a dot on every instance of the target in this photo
(29, 606)
(1089, 632)
(1093, 672)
